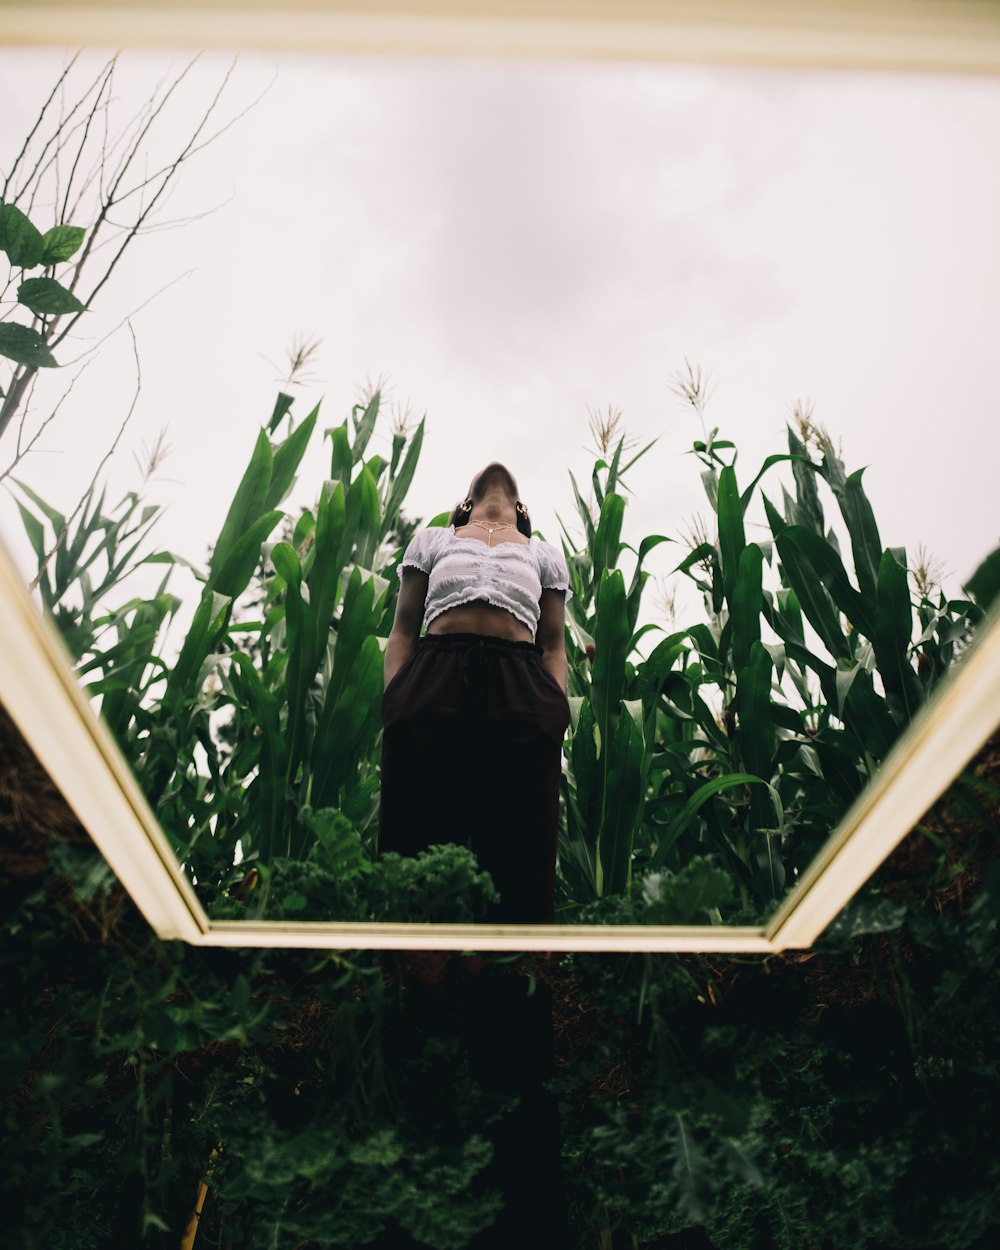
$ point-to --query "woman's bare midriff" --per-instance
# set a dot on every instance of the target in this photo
(481, 617)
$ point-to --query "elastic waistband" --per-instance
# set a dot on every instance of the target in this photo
(492, 642)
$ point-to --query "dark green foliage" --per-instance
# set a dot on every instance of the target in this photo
(440, 885)
(842, 1097)
(131, 1059)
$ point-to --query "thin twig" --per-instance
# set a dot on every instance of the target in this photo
(110, 452)
(34, 130)
(128, 316)
(58, 137)
(65, 395)
(110, 176)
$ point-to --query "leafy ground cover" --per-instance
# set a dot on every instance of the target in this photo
(838, 1097)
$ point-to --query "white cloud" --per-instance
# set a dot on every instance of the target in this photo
(515, 243)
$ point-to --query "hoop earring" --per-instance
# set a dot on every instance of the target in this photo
(461, 514)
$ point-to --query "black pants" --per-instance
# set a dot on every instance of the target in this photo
(471, 753)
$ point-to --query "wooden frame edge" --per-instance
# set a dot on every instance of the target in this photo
(45, 701)
(915, 36)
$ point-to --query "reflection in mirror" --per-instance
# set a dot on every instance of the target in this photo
(741, 634)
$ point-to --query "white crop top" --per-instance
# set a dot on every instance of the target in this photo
(508, 574)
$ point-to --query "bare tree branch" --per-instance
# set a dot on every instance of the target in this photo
(61, 536)
(20, 455)
(34, 129)
(127, 318)
(112, 177)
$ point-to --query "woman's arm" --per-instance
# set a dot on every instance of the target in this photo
(551, 634)
(407, 621)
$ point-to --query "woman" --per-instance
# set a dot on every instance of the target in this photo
(475, 710)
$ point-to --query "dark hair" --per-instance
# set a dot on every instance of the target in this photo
(459, 517)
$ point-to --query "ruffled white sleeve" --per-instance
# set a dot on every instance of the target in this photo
(553, 570)
(421, 550)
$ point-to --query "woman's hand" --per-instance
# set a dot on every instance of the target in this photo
(406, 625)
(551, 634)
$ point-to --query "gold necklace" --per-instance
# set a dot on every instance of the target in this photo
(492, 528)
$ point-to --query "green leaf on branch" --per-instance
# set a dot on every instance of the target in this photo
(234, 575)
(623, 801)
(248, 503)
(47, 297)
(25, 346)
(323, 577)
(19, 238)
(59, 243)
(607, 539)
(56, 518)
(865, 541)
(337, 844)
(282, 406)
(808, 509)
(401, 482)
(364, 425)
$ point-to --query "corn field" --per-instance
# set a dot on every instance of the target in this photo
(700, 777)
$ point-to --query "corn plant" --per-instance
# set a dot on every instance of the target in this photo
(302, 692)
(713, 768)
(609, 750)
(742, 739)
(306, 721)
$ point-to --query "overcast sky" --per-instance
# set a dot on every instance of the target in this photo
(516, 245)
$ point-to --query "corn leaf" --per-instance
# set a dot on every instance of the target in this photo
(731, 534)
(747, 604)
(286, 460)
(805, 579)
(689, 811)
(247, 506)
(893, 627)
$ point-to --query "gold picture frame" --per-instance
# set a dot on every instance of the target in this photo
(37, 685)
